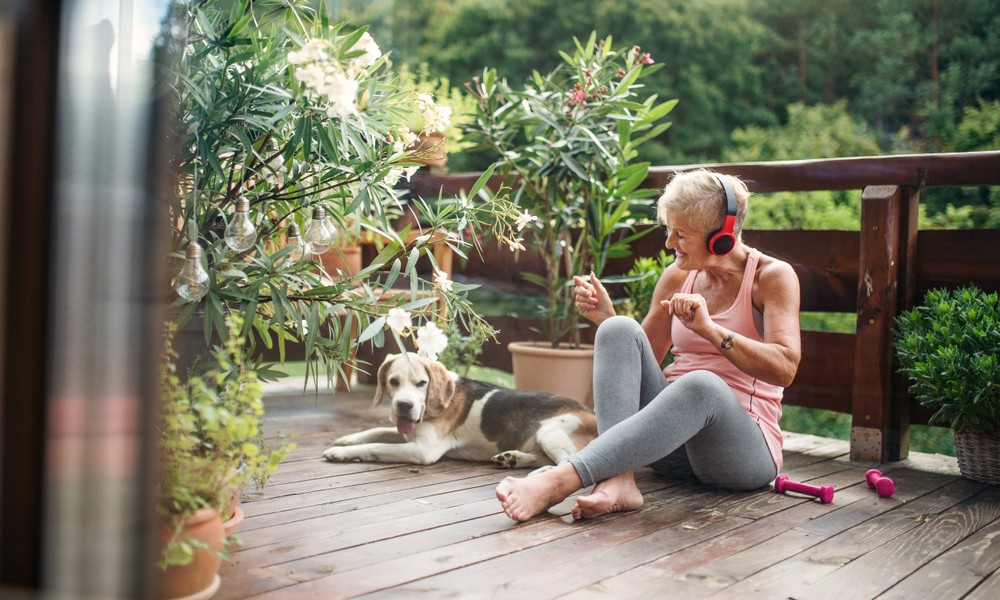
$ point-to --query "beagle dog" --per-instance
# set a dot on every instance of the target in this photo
(440, 414)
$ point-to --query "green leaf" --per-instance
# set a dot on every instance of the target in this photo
(376, 326)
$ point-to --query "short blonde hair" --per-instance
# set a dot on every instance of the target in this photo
(698, 196)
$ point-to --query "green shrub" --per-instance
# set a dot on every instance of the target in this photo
(948, 347)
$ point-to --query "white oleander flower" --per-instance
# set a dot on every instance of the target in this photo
(372, 52)
(524, 219)
(430, 341)
(441, 280)
(399, 320)
(312, 51)
(312, 75)
(392, 177)
(341, 92)
(436, 117)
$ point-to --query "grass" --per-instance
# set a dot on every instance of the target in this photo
(827, 423)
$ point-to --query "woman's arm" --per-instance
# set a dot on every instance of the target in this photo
(657, 321)
(776, 359)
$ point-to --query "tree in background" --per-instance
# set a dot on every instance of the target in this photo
(818, 131)
(909, 70)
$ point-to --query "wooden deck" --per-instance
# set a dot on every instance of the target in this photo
(324, 530)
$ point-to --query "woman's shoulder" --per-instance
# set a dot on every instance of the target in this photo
(775, 273)
(673, 276)
(671, 281)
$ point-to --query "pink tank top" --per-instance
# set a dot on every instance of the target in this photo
(762, 401)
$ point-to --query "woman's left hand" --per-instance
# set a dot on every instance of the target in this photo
(691, 310)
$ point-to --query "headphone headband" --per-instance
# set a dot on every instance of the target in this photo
(723, 240)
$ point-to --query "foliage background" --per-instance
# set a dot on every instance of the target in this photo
(913, 76)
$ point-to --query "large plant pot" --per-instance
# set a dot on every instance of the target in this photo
(348, 264)
(198, 579)
(563, 371)
(978, 456)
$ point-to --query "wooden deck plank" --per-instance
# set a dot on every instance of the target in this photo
(895, 560)
(687, 569)
(490, 536)
(857, 536)
(324, 530)
(988, 590)
(954, 573)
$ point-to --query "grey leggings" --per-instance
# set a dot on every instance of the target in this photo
(644, 420)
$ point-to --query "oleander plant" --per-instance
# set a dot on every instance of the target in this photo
(288, 129)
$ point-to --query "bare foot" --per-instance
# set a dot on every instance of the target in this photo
(617, 494)
(525, 497)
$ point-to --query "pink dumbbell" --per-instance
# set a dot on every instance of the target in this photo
(882, 485)
(824, 493)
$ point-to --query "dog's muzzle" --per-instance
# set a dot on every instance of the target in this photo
(405, 419)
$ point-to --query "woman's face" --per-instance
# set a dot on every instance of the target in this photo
(686, 241)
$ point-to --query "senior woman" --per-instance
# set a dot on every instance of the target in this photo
(729, 315)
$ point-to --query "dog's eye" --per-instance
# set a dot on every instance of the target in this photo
(394, 381)
(422, 383)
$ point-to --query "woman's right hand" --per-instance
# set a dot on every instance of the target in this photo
(592, 300)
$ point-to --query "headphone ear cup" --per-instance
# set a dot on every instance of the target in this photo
(721, 243)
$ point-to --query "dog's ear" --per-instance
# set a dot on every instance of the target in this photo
(440, 388)
(381, 386)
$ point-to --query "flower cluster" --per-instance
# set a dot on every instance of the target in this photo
(437, 118)
(430, 339)
(332, 80)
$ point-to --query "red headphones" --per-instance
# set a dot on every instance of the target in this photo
(722, 241)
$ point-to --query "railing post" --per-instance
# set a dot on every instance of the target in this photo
(880, 423)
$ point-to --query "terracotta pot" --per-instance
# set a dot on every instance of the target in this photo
(235, 517)
(563, 371)
(198, 579)
(430, 149)
(349, 263)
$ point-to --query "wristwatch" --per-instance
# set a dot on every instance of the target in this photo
(727, 342)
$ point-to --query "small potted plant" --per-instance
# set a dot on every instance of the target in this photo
(211, 445)
(568, 141)
(437, 124)
(949, 348)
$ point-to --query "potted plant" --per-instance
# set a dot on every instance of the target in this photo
(285, 126)
(438, 124)
(211, 446)
(568, 142)
(949, 348)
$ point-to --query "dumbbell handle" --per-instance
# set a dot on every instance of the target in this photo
(881, 484)
(824, 493)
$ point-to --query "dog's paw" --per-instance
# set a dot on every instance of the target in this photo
(337, 454)
(505, 460)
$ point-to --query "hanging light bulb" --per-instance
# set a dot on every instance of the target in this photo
(295, 243)
(192, 282)
(241, 234)
(319, 235)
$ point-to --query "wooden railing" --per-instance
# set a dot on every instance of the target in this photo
(875, 273)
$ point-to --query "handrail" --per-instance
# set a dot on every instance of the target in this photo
(916, 170)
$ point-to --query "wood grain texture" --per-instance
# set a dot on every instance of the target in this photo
(324, 530)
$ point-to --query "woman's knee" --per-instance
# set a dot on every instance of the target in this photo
(703, 384)
(617, 329)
